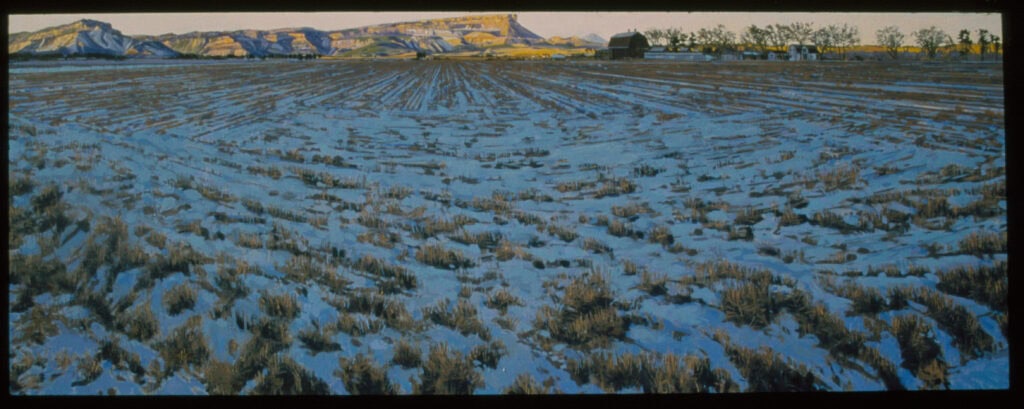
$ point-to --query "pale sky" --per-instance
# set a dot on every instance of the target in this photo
(545, 24)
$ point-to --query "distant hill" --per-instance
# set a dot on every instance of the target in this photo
(446, 35)
(85, 37)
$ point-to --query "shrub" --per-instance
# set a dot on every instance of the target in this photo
(318, 339)
(463, 317)
(501, 300)
(279, 305)
(140, 324)
(400, 275)
(488, 355)
(586, 318)
(438, 256)
(179, 298)
(866, 300)
(750, 304)
(217, 376)
(565, 234)
(526, 385)
(184, 347)
(286, 377)
(767, 371)
(88, 369)
(921, 354)
(37, 324)
(651, 373)
(661, 235)
(447, 372)
(986, 284)
(596, 246)
(351, 325)
(653, 283)
(982, 243)
(844, 176)
(362, 376)
(968, 336)
(407, 355)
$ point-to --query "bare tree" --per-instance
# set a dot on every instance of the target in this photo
(826, 38)
(778, 35)
(717, 39)
(965, 42)
(930, 39)
(848, 36)
(891, 38)
(800, 32)
(756, 38)
(983, 42)
(675, 37)
(656, 36)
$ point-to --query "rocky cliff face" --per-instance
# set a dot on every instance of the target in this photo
(467, 33)
(85, 37)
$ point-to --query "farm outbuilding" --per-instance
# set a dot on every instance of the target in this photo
(799, 52)
(630, 44)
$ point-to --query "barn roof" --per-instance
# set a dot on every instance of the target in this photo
(622, 40)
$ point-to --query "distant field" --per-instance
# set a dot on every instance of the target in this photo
(423, 227)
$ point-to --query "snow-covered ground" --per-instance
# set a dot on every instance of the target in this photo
(581, 168)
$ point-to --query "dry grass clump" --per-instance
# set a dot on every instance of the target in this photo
(651, 373)
(768, 371)
(185, 347)
(317, 338)
(921, 354)
(488, 240)
(982, 243)
(362, 376)
(865, 300)
(357, 326)
(526, 385)
(279, 305)
(463, 317)
(596, 246)
(438, 256)
(619, 229)
(751, 303)
(179, 259)
(988, 285)
(447, 372)
(791, 218)
(88, 369)
(615, 187)
(37, 324)
(111, 351)
(407, 355)
(631, 210)
(844, 176)
(432, 226)
(284, 376)
(38, 275)
(828, 219)
(564, 233)
(398, 275)
(661, 235)
(586, 318)
(392, 311)
(654, 284)
(489, 355)
(140, 323)
(380, 238)
(501, 300)
(179, 298)
(957, 321)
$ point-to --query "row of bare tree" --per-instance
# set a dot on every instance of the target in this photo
(832, 38)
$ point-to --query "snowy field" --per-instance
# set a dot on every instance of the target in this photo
(506, 227)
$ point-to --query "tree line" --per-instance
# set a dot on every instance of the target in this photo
(833, 38)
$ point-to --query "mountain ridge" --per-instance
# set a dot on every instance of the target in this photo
(476, 33)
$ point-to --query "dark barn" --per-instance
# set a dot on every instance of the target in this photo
(628, 45)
